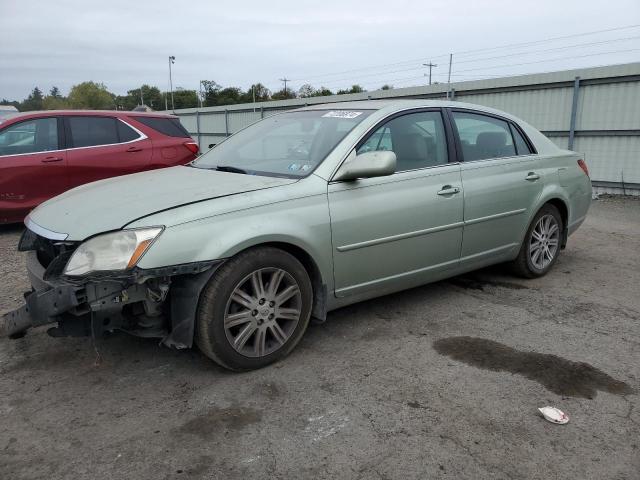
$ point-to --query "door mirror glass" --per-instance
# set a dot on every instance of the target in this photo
(367, 165)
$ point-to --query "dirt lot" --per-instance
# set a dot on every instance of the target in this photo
(442, 381)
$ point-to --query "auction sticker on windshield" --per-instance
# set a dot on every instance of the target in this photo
(341, 114)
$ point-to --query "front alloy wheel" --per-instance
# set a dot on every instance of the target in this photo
(254, 310)
(263, 312)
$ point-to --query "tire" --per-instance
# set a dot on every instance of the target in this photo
(242, 323)
(534, 262)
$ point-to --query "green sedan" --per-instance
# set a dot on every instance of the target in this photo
(297, 215)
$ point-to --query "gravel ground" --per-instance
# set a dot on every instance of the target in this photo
(442, 381)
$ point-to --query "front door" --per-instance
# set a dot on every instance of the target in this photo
(405, 229)
(32, 166)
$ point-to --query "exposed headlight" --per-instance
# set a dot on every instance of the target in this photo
(111, 251)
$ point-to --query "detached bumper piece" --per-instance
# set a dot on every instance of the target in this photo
(41, 308)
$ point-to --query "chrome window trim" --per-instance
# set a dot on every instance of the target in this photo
(44, 232)
(142, 136)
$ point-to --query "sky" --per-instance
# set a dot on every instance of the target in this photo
(126, 43)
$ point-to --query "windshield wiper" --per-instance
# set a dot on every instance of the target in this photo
(229, 168)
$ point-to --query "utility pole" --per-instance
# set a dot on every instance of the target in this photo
(430, 65)
(449, 77)
(172, 60)
(285, 80)
(141, 97)
(201, 95)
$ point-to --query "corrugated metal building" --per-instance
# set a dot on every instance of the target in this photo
(595, 111)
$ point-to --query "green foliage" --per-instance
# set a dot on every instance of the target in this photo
(283, 94)
(307, 91)
(52, 102)
(386, 87)
(262, 93)
(91, 96)
(33, 101)
(151, 95)
(184, 98)
(354, 89)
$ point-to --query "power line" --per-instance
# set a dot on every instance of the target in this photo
(467, 52)
(531, 52)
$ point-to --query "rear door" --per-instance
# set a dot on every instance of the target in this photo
(501, 184)
(32, 165)
(103, 147)
(405, 229)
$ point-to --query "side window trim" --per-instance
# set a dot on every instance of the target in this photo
(451, 151)
(69, 141)
(512, 125)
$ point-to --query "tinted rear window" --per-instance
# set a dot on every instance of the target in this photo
(90, 131)
(167, 126)
(126, 133)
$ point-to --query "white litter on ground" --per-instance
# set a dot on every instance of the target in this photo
(554, 415)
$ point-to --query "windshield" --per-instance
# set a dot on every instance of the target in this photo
(289, 145)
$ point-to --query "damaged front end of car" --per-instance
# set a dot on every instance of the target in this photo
(83, 298)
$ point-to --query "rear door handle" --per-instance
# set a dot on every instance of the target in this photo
(532, 176)
(449, 190)
(134, 149)
(51, 159)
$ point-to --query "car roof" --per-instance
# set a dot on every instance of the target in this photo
(393, 104)
(99, 113)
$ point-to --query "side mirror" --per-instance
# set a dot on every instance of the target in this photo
(367, 165)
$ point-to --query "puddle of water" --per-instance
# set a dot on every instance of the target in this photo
(557, 374)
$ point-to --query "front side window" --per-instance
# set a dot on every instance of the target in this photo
(30, 136)
(483, 137)
(291, 144)
(417, 139)
(92, 131)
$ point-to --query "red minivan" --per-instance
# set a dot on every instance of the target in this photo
(43, 154)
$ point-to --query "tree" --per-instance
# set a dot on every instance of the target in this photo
(354, 89)
(210, 91)
(322, 92)
(55, 92)
(91, 95)
(306, 91)
(52, 102)
(386, 86)
(283, 94)
(183, 98)
(262, 93)
(151, 96)
(230, 96)
(33, 101)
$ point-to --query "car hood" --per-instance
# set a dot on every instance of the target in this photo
(113, 203)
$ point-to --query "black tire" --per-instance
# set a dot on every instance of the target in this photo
(523, 265)
(211, 335)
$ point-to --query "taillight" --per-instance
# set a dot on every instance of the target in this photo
(192, 146)
(584, 167)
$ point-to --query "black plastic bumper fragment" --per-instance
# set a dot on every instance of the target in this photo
(40, 308)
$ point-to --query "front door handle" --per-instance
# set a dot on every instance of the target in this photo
(134, 149)
(532, 176)
(449, 190)
(51, 159)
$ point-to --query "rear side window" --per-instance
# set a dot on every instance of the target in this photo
(126, 133)
(483, 137)
(521, 145)
(30, 136)
(167, 126)
(91, 131)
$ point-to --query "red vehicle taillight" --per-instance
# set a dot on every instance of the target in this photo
(192, 146)
(584, 167)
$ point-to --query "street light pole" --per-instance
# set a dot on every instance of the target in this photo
(172, 60)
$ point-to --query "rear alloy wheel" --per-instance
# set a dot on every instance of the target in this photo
(254, 310)
(541, 245)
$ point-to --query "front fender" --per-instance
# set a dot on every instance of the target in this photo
(301, 222)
